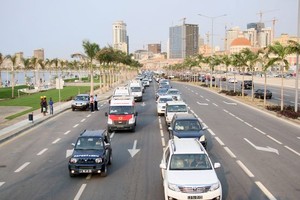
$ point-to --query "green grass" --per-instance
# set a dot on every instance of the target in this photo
(33, 100)
(6, 92)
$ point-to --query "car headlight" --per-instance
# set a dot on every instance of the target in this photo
(202, 138)
(109, 121)
(73, 160)
(214, 186)
(98, 160)
(132, 120)
(83, 103)
(173, 187)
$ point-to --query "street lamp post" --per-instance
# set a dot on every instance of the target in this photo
(212, 36)
(297, 65)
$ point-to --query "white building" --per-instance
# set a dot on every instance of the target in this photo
(120, 38)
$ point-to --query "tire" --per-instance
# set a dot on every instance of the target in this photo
(109, 130)
(73, 109)
(133, 129)
(104, 171)
(110, 158)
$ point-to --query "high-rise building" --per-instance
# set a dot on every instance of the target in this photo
(183, 40)
(251, 35)
(120, 38)
(265, 37)
(231, 34)
(257, 26)
(39, 54)
(154, 48)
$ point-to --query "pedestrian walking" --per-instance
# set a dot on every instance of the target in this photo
(96, 102)
(44, 105)
(41, 103)
(92, 103)
(51, 105)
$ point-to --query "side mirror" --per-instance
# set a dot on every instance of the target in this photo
(73, 144)
(106, 115)
(204, 128)
(170, 128)
(217, 165)
(163, 166)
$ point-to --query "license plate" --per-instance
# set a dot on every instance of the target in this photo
(85, 171)
(195, 197)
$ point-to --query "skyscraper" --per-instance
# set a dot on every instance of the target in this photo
(120, 38)
(183, 40)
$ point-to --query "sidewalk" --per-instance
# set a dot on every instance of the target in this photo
(12, 128)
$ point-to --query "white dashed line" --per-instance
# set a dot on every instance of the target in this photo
(88, 177)
(22, 167)
(75, 125)
(265, 190)
(298, 138)
(248, 124)
(55, 141)
(161, 133)
(229, 152)
(79, 193)
(160, 126)
(66, 133)
(292, 150)
(203, 124)
(82, 120)
(274, 139)
(260, 131)
(246, 170)
(196, 115)
(215, 104)
(230, 103)
(225, 111)
(1, 183)
(112, 135)
(202, 104)
(201, 96)
(163, 142)
(207, 100)
(41, 152)
(159, 121)
(196, 93)
(192, 111)
(211, 132)
(231, 114)
(220, 141)
(88, 115)
(200, 119)
(239, 119)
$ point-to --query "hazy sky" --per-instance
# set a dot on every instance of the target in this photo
(60, 26)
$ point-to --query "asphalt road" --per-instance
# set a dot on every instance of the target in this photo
(34, 164)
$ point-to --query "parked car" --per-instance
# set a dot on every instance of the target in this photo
(232, 80)
(92, 153)
(188, 172)
(174, 93)
(187, 126)
(81, 102)
(161, 103)
(259, 93)
(247, 84)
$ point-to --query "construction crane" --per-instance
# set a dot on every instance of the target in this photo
(260, 13)
(274, 20)
(183, 20)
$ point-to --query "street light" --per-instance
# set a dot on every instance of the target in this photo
(297, 65)
(212, 36)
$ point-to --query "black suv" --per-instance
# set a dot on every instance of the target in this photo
(92, 153)
(247, 84)
(187, 126)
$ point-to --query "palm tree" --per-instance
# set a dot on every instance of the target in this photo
(226, 60)
(266, 64)
(240, 60)
(278, 54)
(27, 66)
(212, 61)
(13, 60)
(295, 48)
(36, 63)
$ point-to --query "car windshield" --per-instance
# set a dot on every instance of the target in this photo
(135, 89)
(187, 125)
(177, 108)
(190, 162)
(121, 110)
(89, 143)
(81, 98)
(162, 91)
(173, 92)
(164, 100)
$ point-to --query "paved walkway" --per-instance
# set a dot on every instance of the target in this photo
(11, 128)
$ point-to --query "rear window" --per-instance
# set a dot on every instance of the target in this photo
(176, 108)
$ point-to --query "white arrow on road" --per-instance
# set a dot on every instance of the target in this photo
(268, 149)
(69, 152)
(230, 103)
(133, 151)
(202, 104)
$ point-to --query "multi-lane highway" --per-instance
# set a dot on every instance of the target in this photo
(259, 154)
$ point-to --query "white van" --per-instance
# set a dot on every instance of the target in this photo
(136, 90)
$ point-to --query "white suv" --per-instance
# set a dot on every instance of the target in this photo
(174, 107)
(188, 172)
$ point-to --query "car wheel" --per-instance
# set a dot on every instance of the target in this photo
(73, 109)
(104, 171)
(133, 129)
(110, 158)
(109, 130)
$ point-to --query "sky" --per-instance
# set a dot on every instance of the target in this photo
(60, 26)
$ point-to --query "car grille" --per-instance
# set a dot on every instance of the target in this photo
(194, 189)
(120, 122)
(86, 161)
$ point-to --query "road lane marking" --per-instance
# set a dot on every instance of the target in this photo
(1, 183)
(112, 135)
(88, 177)
(55, 141)
(201, 96)
(215, 104)
(192, 111)
(88, 115)
(41, 152)
(207, 100)
(267, 149)
(66, 133)
(161, 133)
(79, 193)
(274, 139)
(248, 124)
(228, 103)
(260, 131)
(160, 126)
(220, 141)
(298, 138)
(204, 124)
(163, 143)
(265, 190)
(82, 120)
(231, 114)
(22, 167)
(229, 152)
(211, 132)
(200, 119)
(292, 150)
(202, 104)
(245, 169)
(75, 125)
(196, 93)
(196, 115)
(159, 121)
(239, 119)
(225, 111)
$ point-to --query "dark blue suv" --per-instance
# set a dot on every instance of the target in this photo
(92, 153)
(187, 126)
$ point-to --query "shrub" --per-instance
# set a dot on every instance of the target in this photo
(288, 111)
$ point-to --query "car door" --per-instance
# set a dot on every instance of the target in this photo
(165, 160)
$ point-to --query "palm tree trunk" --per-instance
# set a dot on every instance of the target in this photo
(281, 102)
(265, 89)
(13, 83)
(252, 88)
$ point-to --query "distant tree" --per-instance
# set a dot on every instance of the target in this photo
(13, 60)
(1, 61)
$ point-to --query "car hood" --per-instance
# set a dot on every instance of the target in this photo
(188, 134)
(192, 177)
(87, 153)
